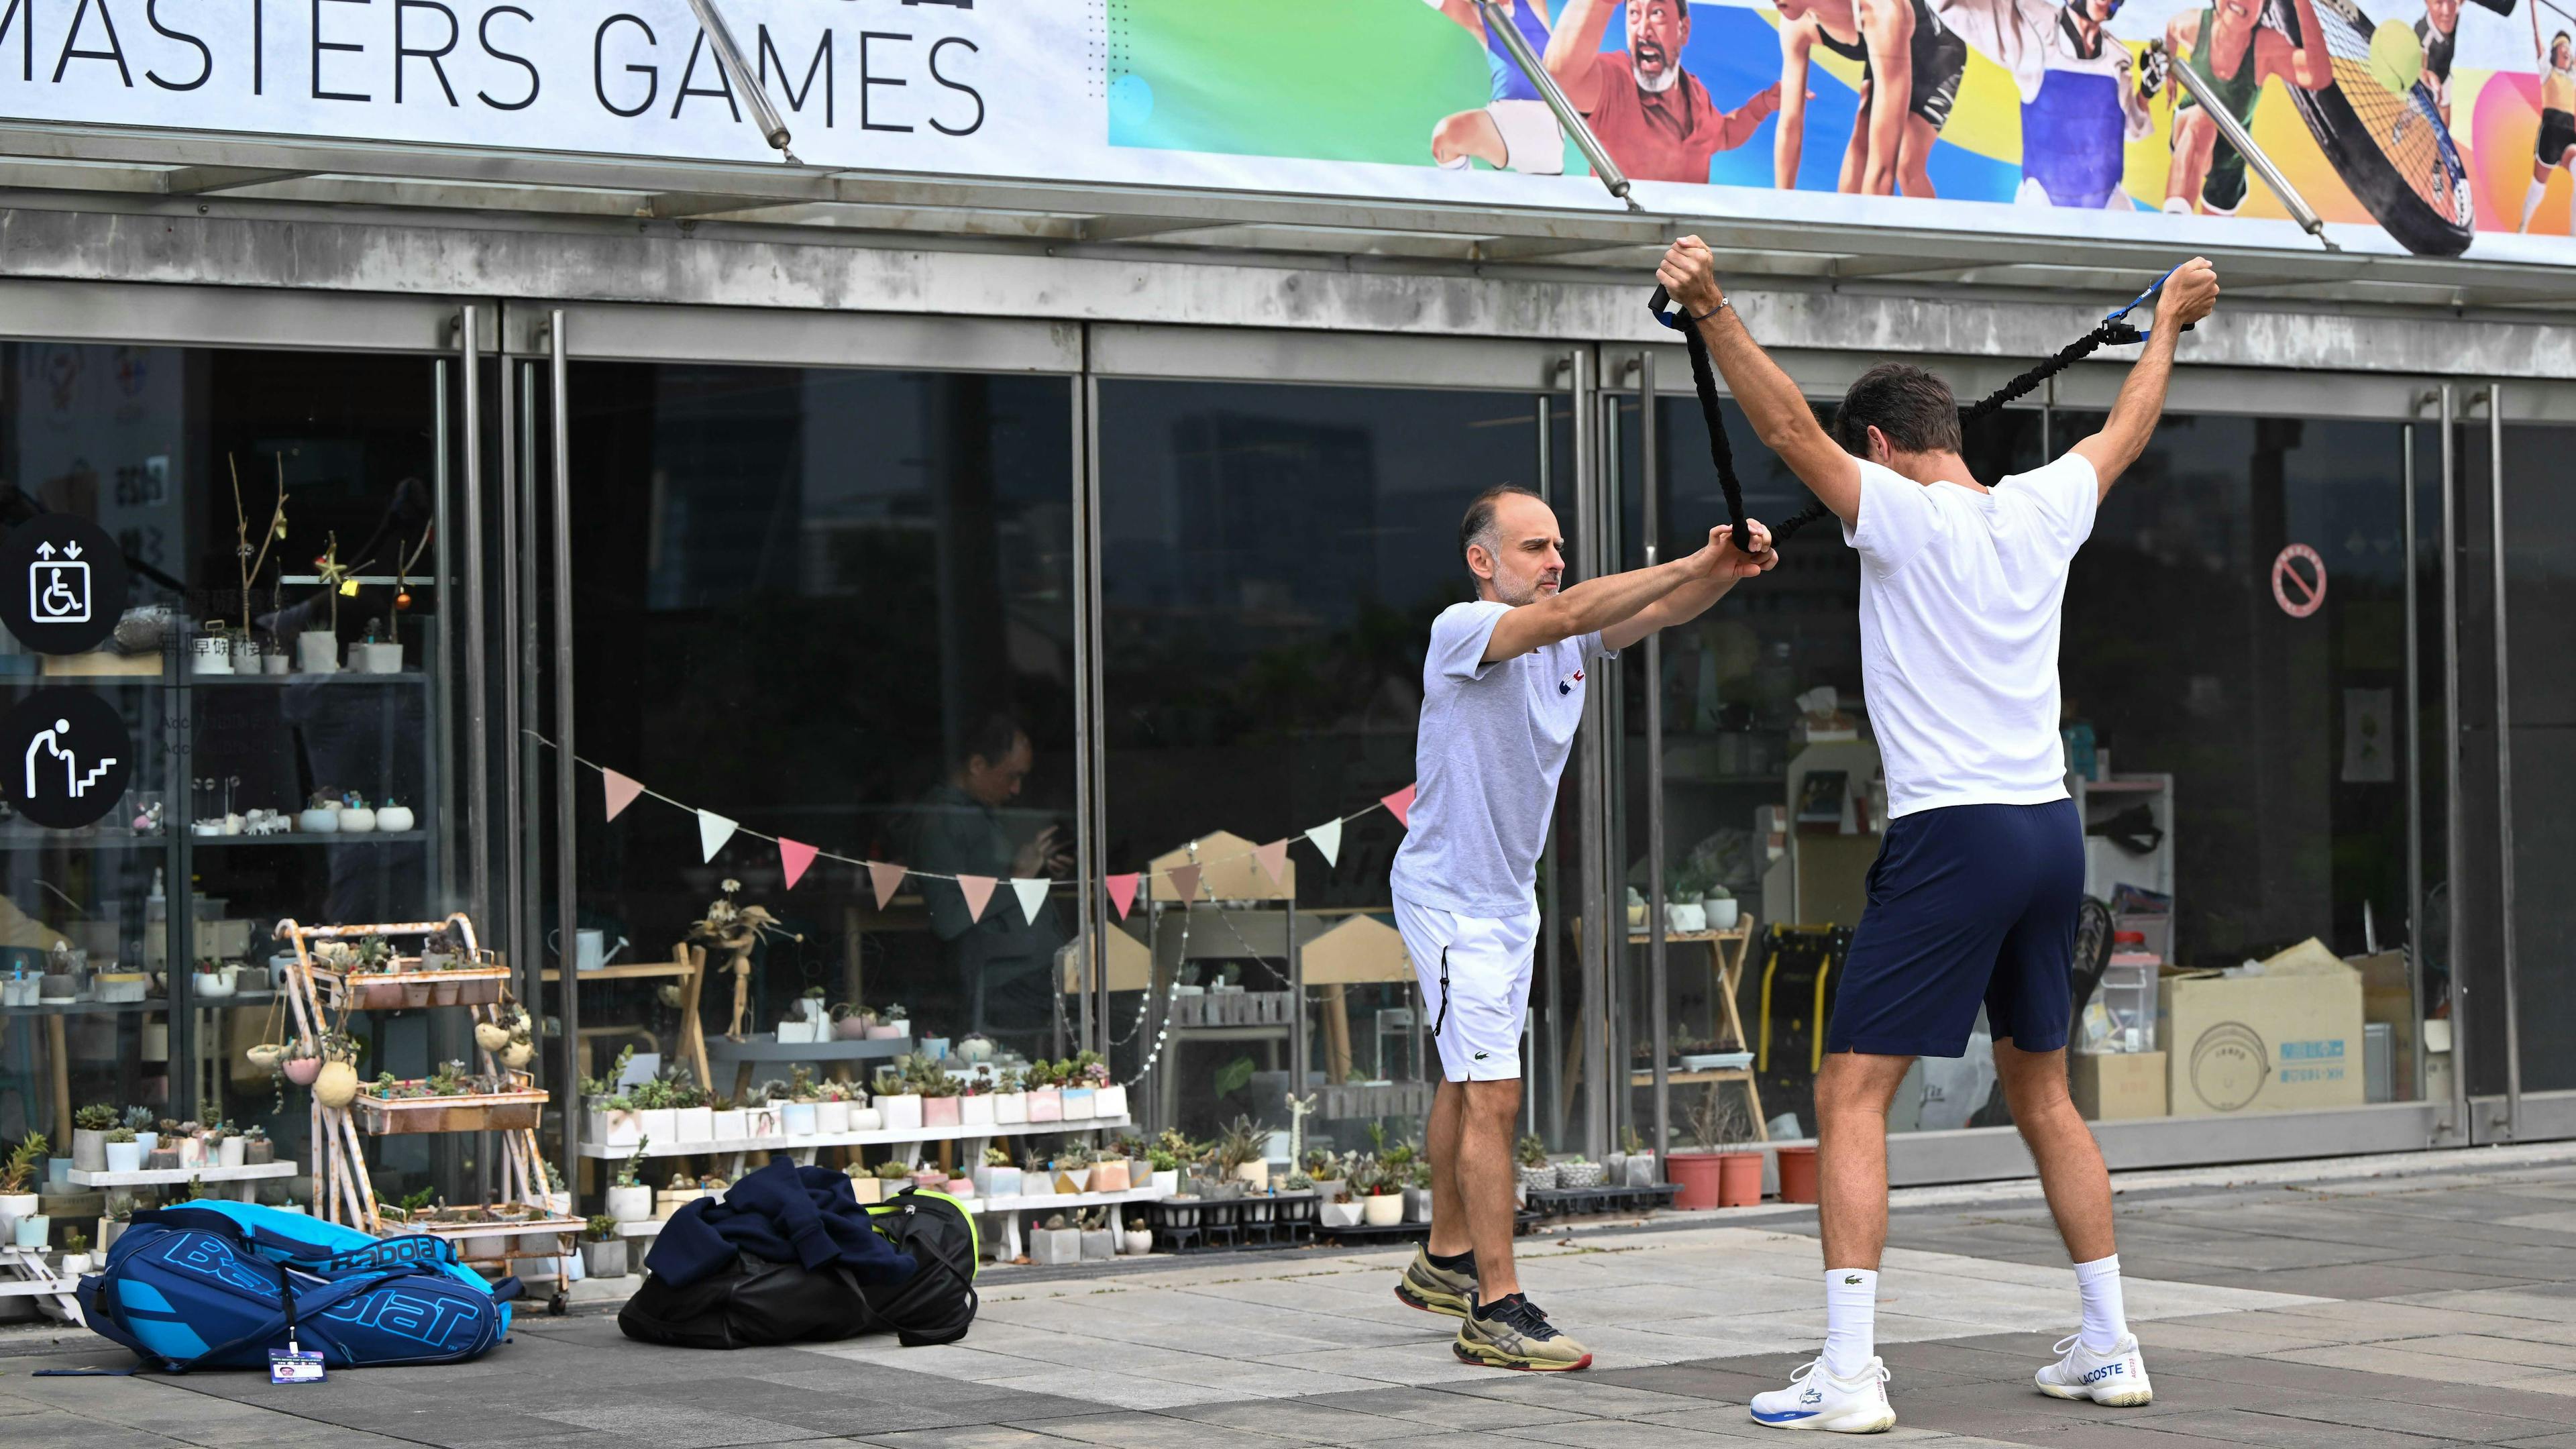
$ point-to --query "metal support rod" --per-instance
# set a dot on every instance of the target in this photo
(1517, 47)
(2238, 137)
(2414, 769)
(1593, 778)
(2455, 843)
(478, 720)
(2512, 1036)
(442, 763)
(1091, 773)
(529, 830)
(567, 798)
(1659, 1027)
(523, 978)
(773, 127)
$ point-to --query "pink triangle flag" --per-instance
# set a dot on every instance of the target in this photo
(1274, 859)
(1122, 892)
(978, 890)
(1032, 894)
(713, 831)
(794, 856)
(1185, 882)
(621, 791)
(887, 879)
(1400, 805)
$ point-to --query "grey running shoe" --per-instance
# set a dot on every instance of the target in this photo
(1433, 1289)
(1517, 1336)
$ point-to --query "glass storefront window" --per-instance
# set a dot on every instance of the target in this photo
(833, 605)
(138, 948)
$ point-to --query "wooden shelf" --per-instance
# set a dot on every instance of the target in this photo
(882, 1137)
(182, 1176)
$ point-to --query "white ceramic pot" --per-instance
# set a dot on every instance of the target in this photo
(125, 1157)
(1257, 1173)
(320, 820)
(1722, 915)
(89, 1149)
(630, 1204)
(1168, 1183)
(866, 1119)
(902, 1113)
(693, 1124)
(831, 1116)
(1385, 1210)
(605, 1259)
(75, 1264)
(798, 1119)
(659, 1124)
(147, 1141)
(275, 661)
(210, 654)
(763, 1120)
(1339, 1214)
(728, 1126)
(232, 1153)
(1073, 1179)
(616, 1128)
(1109, 1102)
(1010, 1109)
(1136, 1244)
(1081, 1104)
(378, 658)
(357, 820)
(317, 651)
(13, 1206)
(394, 819)
(975, 1111)
(795, 1031)
(1685, 916)
(32, 1230)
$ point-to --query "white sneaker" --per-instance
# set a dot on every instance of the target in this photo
(1816, 1399)
(2117, 1378)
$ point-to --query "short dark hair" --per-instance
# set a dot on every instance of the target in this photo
(1911, 407)
(1478, 525)
(990, 738)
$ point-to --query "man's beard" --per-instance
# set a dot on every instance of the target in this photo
(1661, 81)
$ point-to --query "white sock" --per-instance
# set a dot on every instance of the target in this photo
(2106, 1319)
(2531, 202)
(1851, 1320)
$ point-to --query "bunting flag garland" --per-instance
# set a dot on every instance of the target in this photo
(1400, 805)
(713, 831)
(886, 879)
(621, 791)
(793, 857)
(1274, 860)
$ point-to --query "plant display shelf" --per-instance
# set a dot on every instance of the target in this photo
(237, 1183)
(342, 1190)
(565, 1231)
(1268, 1220)
(470, 1112)
(803, 1148)
(1575, 1202)
(1008, 1209)
(409, 987)
(24, 1273)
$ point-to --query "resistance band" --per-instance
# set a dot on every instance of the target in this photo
(2115, 331)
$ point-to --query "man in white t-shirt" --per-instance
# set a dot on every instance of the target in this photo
(1502, 693)
(1973, 899)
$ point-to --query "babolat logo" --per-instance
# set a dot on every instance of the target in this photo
(2107, 1370)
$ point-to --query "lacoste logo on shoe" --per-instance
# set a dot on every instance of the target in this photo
(2104, 1372)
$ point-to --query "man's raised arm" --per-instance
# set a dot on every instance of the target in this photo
(1771, 402)
(1574, 50)
(2188, 296)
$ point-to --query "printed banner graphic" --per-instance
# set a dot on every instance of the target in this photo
(2436, 127)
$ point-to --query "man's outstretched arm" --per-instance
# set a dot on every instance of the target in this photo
(1613, 599)
(2188, 296)
(1695, 598)
(1574, 51)
(1777, 410)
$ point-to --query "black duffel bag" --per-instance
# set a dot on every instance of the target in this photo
(759, 1303)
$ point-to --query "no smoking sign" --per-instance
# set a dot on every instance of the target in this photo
(2300, 591)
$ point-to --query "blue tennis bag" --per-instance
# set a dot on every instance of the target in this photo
(219, 1284)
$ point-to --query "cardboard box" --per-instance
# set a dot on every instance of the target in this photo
(2117, 1086)
(2286, 1039)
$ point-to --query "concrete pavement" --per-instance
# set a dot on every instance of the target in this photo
(2432, 1300)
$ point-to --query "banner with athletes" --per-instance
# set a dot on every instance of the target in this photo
(2440, 127)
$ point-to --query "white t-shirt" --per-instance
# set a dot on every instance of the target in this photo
(1491, 747)
(1960, 596)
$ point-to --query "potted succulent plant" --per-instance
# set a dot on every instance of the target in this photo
(124, 1154)
(727, 1122)
(995, 1176)
(832, 1108)
(1010, 1097)
(892, 1024)
(975, 1099)
(257, 1150)
(18, 1197)
(897, 1102)
(1381, 1195)
(940, 1104)
(692, 1119)
(603, 1249)
(1109, 1174)
(90, 1126)
(850, 1021)
(1239, 1154)
(75, 1253)
(1073, 1168)
(1046, 1092)
(630, 1200)
(1139, 1238)
(1080, 1088)
(654, 1113)
(1534, 1172)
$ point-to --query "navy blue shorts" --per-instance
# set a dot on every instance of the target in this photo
(1968, 904)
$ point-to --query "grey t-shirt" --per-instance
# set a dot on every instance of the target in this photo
(1492, 745)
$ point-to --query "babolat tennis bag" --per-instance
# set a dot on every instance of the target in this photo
(219, 1284)
(757, 1302)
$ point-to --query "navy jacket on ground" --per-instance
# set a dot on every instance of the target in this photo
(785, 1213)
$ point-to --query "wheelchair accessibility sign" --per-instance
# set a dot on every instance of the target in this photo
(74, 584)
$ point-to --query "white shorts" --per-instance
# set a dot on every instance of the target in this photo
(1532, 143)
(1475, 976)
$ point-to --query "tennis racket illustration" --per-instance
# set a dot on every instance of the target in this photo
(2390, 148)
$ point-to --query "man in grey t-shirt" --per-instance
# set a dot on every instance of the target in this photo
(1502, 692)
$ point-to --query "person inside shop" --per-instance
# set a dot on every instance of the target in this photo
(1002, 962)
(1974, 899)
